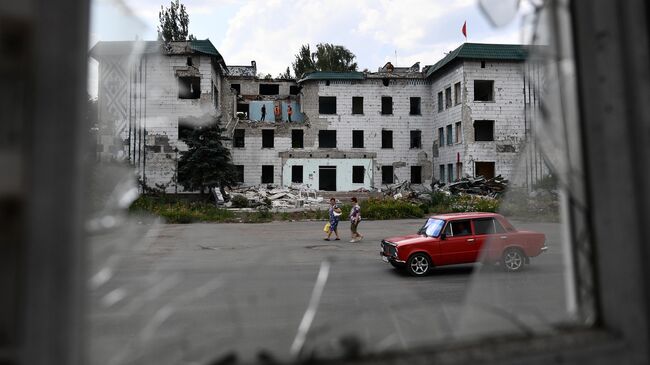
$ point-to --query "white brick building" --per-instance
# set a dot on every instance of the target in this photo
(465, 115)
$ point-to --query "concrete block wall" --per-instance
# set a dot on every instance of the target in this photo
(372, 122)
(150, 98)
(401, 156)
(449, 154)
(507, 111)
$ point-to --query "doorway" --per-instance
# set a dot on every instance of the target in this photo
(327, 178)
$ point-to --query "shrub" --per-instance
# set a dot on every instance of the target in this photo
(239, 201)
(390, 209)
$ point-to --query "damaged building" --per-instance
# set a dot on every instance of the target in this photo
(330, 131)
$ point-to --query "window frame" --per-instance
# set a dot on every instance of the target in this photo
(387, 105)
(357, 111)
(492, 96)
(325, 103)
(415, 109)
(236, 138)
(265, 133)
(357, 132)
(386, 142)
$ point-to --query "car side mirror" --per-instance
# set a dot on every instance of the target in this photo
(443, 236)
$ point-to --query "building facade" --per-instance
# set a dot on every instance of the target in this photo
(467, 115)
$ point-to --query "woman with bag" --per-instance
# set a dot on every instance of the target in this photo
(334, 216)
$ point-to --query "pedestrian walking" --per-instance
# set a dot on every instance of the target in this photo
(263, 112)
(334, 216)
(355, 218)
(289, 111)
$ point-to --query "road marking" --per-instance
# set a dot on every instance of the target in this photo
(310, 313)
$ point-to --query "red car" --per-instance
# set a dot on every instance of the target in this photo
(460, 238)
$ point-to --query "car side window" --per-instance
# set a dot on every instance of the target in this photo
(498, 227)
(484, 226)
(460, 228)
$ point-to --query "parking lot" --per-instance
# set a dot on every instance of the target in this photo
(170, 294)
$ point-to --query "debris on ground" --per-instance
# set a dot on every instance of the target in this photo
(294, 196)
(493, 187)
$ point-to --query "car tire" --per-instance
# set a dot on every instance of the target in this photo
(419, 264)
(513, 259)
(396, 265)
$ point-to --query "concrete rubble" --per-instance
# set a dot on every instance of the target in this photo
(294, 196)
(494, 187)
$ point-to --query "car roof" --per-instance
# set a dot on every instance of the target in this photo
(448, 216)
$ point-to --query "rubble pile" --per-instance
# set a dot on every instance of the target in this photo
(405, 190)
(294, 196)
(493, 187)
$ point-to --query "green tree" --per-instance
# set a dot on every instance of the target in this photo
(286, 75)
(174, 23)
(206, 164)
(328, 57)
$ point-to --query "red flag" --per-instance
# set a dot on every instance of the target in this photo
(464, 30)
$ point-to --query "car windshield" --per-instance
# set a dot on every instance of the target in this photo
(432, 227)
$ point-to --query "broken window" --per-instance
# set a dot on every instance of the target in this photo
(238, 138)
(386, 139)
(415, 106)
(267, 138)
(483, 130)
(448, 97)
(450, 136)
(357, 105)
(459, 170)
(442, 173)
(267, 174)
(215, 95)
(387, 174)
(441, 137)
(237, 88)
(450, 172)
(485, 169)
(240, 173)
(483, 90)
(459, 132)
(185, 129)
(294, 90)
(269, 89)
(189, 87)
(358, 173)
(357, 139)
(385, 81)
(416, 174)
(457, 93)
(296, 174)
(416, 139)
(386, 105)
(189, 61)
(327, 104)
(327, 138)
(440, 106)
(244, 109)
(482, 64)
(297, 138)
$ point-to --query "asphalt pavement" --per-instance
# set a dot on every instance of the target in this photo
(190, 294)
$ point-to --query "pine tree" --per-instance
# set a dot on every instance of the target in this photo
(206, 164)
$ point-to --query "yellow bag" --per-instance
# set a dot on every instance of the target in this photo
(327, 227)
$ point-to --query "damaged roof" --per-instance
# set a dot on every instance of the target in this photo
(114, 48)
(332, 75)
(481, 51)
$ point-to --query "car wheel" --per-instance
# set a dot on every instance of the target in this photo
(513, 259)
(418, 264)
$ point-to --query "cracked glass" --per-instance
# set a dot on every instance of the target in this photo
(167, 285)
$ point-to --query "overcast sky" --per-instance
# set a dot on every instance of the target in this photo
(272, 31)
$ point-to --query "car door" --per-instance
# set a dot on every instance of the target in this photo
(490, 237)
(458, 243)
(484, 235)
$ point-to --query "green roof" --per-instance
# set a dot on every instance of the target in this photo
(482, 51)
(333, 75)
(205, 47)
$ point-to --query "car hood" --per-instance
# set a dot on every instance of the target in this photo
(404, 240)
